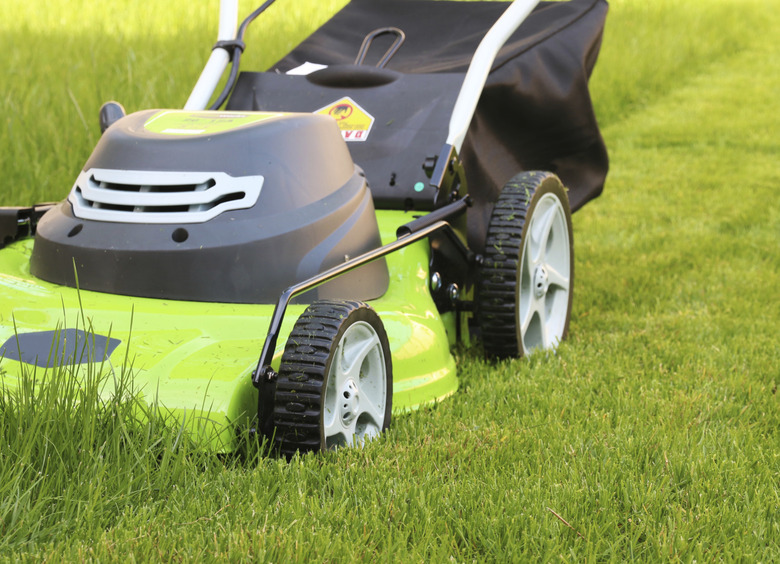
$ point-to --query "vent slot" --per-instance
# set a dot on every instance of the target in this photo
(160, 196)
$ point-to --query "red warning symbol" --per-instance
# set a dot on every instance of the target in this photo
(341, 111)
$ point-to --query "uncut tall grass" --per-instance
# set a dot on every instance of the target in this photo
(650, 435)
(73, 458)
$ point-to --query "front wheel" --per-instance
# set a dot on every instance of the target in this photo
(335, 383)
(526, 280)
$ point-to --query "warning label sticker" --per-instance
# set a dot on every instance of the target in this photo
(353, 121)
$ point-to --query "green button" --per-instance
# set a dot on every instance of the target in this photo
(419, 187)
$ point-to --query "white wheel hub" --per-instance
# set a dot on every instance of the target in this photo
(541, 282)
(545, 277)
(356, 394)
(350, 405)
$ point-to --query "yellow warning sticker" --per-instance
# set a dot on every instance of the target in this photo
(353, 121)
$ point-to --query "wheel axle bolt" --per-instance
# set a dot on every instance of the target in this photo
(541, 281)
(350, 402)
(453, 291)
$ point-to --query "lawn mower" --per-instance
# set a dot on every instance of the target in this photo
(300, 256)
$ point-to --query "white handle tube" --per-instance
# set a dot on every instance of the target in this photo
(480, 66)
(219, 59)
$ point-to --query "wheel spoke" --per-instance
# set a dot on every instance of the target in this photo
(544, 326)
(556, 278)
(533, 307)
(545, 338)
(338, 373)
(374, 413)
(338, 430)
(529, 262)
(358, 355)
(333, 428)
(541, 233)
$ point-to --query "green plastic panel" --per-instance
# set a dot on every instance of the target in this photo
(179, 122)
(195, 359)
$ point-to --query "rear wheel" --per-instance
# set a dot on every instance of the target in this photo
(526, 280)
(335, 383)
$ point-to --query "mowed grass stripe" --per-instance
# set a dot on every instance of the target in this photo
(652, 48)
(678, 269)
(691, 203)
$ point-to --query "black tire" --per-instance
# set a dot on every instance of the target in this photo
(524, 302)
(311, 410)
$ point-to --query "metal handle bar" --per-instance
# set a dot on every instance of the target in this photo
(406, 235)
(219, 59)
(480, 66)
(469, 94)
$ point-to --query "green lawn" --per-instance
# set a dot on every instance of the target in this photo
(653, 432)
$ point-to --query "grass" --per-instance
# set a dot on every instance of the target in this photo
(72, 459)
(651, 435)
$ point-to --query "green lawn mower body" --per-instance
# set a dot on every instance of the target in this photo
(255, 267)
